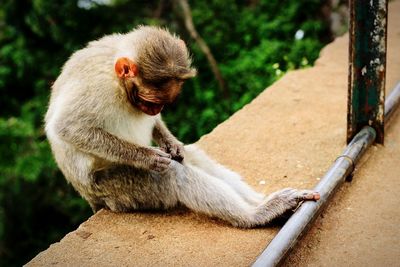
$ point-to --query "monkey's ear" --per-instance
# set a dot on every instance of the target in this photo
(125, 68)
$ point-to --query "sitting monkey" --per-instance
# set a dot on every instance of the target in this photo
(104, 112)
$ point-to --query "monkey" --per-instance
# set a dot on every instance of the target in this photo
(103, 115)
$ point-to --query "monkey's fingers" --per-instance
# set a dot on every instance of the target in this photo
(161, 164)
(177, 153)
(164, 162)
(180, 152)
(178, 158)
(162, 154)
(175, 150)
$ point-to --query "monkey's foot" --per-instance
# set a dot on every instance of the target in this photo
(290, 197)
(284, 201)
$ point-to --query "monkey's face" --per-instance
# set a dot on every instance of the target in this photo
(149, 92)
(151, 96)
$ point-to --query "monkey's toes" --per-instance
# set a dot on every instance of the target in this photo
(309, 195)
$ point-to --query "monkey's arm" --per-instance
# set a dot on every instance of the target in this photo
(167, 141)
(98, 142)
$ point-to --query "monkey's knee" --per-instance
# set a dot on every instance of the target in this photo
(193, 154)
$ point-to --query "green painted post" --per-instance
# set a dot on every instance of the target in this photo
(367, 66)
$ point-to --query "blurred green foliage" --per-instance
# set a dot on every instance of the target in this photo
(253, 42)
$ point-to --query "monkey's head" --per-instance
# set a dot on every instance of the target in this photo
(156, 76)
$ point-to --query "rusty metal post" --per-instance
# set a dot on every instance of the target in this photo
(367, 66)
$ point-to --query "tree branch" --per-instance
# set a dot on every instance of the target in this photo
(188, 21)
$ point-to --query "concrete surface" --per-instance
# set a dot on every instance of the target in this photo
(287, 137)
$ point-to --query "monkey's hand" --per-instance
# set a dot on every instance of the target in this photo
(167, 142)
(158, 160)
(175, 149)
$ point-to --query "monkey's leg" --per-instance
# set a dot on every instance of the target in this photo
(201, 192)
(204, 193)
(199, 158)
(124, 188)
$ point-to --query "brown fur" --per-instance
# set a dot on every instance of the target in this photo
(161, 57)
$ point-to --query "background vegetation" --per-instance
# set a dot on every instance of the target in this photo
(254, 42)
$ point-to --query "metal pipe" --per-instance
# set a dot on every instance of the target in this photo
(302, 218)
(344, 165)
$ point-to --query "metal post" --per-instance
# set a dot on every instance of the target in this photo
(367, 66)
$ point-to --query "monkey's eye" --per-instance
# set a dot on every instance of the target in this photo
(159, 83)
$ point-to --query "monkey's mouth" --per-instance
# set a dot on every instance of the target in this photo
(149, 108)
(142, 103)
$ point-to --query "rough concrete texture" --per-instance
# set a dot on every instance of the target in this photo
(288, 137)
